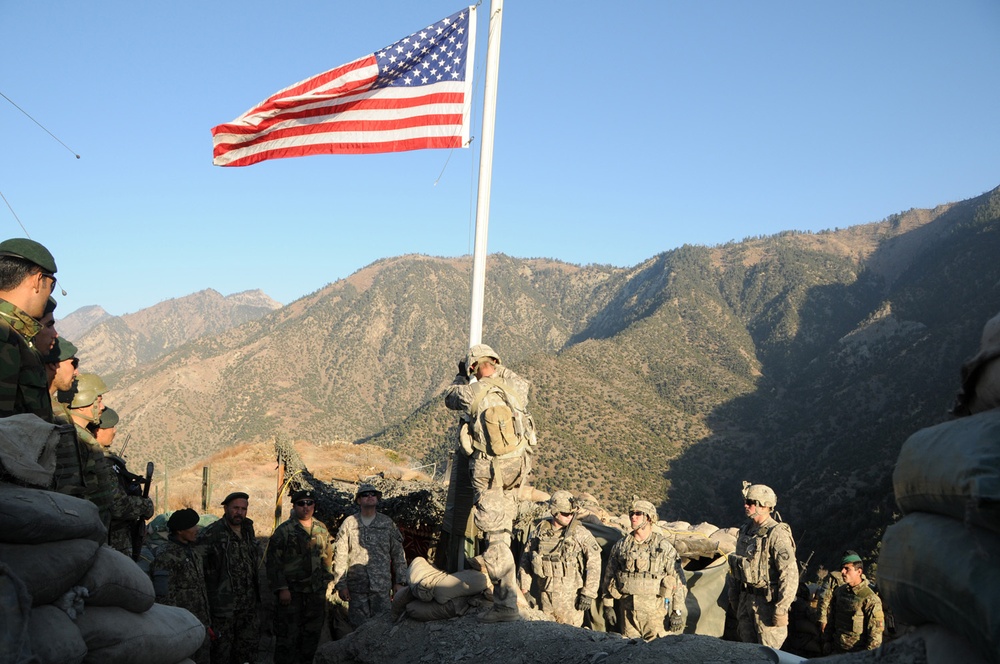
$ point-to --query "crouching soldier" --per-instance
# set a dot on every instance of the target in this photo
(565, 561)
(643, 574)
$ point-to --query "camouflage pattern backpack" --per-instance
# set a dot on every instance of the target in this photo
(501, 421)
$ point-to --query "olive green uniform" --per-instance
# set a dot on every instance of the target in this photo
(853, 618)
(23, 382)
(300, 561)
(179, 580)
(231, 564)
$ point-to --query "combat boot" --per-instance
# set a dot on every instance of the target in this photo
(500, 614)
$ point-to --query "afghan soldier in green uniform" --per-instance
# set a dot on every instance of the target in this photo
(367, 551)
(851, 620)
(98, 473)
(565, 561)
(27, 279)
(497, 434)
(299, 564)
(129, 509)
(764, 574)
(229, 549)
(179, 576)
(60, 365)
(643, 574)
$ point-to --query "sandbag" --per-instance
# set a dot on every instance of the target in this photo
(953, 469)
(15, 615)
(55, 638)
(116, 580)
(51, 568)
(465, 583)
(936, 570)
(32, 516)
(426, 611)
(679, 526)
(705, 528)
(28, 448)
(725, 540)
(162, 635)
(707, 599)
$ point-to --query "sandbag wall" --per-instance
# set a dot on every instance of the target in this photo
(940, 563)
(70, 598)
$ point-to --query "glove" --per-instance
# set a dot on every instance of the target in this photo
(462, 369)
(780, 619)
(583, 602)
(610, 618)
(676, 621)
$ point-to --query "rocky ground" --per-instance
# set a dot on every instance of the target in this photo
(465, 639)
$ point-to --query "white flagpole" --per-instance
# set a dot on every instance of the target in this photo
(485, 173)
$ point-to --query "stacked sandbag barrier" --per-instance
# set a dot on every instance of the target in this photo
(74, 599)
(940, 563)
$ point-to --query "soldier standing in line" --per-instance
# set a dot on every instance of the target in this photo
(85, 405)
(128, 506)
(27, 279)
(565, 561)
(367, 551)
(764, 574)
(497, 434)
(178, 574)
(642, 573)
(47, 333)
(851, 618)
(299, 564)
(231, 556)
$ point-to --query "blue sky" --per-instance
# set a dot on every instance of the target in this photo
(623, 130)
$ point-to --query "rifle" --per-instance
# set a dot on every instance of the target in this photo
(804, 566)
(139, 527)
(121, 452)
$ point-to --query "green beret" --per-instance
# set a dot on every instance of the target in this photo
(29, 250)
(62, 350)
(850, 557)
(109, 419)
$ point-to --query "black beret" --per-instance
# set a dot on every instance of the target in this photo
(183, 519)
(302, 494)
(233, 496)
(109, 419)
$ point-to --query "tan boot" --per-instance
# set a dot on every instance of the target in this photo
(500, 614)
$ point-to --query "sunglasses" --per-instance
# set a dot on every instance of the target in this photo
(304, 503)
(367, 494)
(637, 514)
(753, 503)
(566, 513)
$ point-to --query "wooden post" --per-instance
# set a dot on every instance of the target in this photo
(166, 487)
(279, 497)
(206, 488)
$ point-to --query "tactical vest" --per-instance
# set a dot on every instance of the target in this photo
(644, 565)
(753, 566)
(501, 424)
(558, 553)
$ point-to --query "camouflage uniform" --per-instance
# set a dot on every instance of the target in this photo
(23, 381)
(500, 476)
(853, 617)
(179, 580)
(364, 559)
(127, 508)
(765, 580)
(566, 562)
(99, 476)
(231, 563)
(300, 561)
(642, 575)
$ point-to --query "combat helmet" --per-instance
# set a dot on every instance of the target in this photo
(763, 494)
(478, 352)
(645, 507)
(88, 387)
(562, 502)
(363, 488)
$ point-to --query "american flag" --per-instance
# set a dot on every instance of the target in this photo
(411, 95)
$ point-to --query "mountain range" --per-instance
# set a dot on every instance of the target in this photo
(799, 360)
